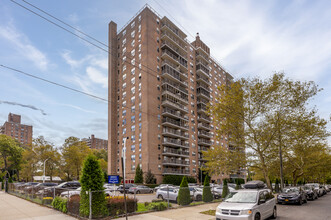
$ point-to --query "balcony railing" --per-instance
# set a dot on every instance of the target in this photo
(174, 132)
(203, 79)
(204, 134)
(174, 142)
(176, 92)
(202, 117)
(202, 55)
(200, 148)
(204, 126)
(177, 162)
(175, 84)
(175, 40)
(179, 59)
(174, 113)
(203, 141)
(176, 171)
(176, 152)
(180, 123)
(201, 107)
(168, 101)
(203, 68)
(203, 92)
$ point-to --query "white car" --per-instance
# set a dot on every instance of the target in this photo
(69, 193)
(110, 187)
(247, 204)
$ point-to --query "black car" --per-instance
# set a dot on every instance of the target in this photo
(66, 186)
(292, 195)
(311, 192)
(35, 188)
(127, 187)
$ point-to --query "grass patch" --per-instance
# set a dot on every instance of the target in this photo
(209, 212)
(141, 207)
(197, 203)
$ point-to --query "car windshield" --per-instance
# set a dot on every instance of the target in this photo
(241, 197)
(307, 188)
(290, 190)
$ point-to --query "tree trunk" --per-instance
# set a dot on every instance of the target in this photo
(265, 172)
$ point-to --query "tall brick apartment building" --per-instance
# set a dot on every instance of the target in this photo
(14, 129)
(159, 88)
(96, 143)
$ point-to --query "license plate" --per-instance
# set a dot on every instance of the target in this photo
(286, 200)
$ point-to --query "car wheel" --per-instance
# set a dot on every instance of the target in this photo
(199, 198)
(151, 191)
(274, 214)
(138, 192)
(257, 216)
(306, 200)
(300, 201)
(160, 197)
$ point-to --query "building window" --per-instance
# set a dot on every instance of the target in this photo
(139, 126)
(133, 138)
(139, 156)
(133, 33)
(132, 43)
(140, 145)
(124, 131)
(133, 108)
(133, 157)
(139, 116)
(124, 68)
(133, 71)
(124, 77)
(124, 103)
(124, 122)
(133, 80)
(133, 147)
(133, 118)
(124, 113)
(132, 24)
(133, 52)
(133, 61)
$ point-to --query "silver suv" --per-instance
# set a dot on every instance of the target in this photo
(247, 204)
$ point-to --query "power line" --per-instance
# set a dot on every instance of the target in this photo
(65, 29)
(69, 88)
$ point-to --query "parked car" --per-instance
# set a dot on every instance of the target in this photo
(317, 187)
(49, 191)
(311, 192)
(110, 187)
(69, 193)
(23, 186)
(165, 193)
(292, 195)
(323, 189)
(35, 188)
(328, 188)
(219, 189)
(140, 189)
(163, 186)
(127, 187)
(247, 204)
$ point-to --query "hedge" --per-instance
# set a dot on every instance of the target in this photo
(115, 205)
(60, 204)
(177, 179)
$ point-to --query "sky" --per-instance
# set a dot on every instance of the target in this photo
(250, 38)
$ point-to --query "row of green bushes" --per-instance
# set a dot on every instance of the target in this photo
(176, 179)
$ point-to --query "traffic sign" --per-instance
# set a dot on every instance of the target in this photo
(114, 179)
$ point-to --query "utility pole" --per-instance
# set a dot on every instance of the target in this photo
(281, 168)
(44, 170)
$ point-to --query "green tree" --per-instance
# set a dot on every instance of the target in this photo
(10, 152)
(184, 197)
(150, 178)
(73, 152)
(225, 190)
(139, 177)
(207, 196)
(92, 179)
(256, 116)
(29, 164)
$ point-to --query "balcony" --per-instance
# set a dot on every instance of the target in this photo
(177, 60)
(175, 171)
(203, 79)
(202, 51)
(201, 108)
(202, 69)
(166, 35)
(174, 133)
(170, 112)
(204, 134)
(167, 25)
(173, 152)
(179, 124)
(175, 162)
(202, 92)
(200, 55)
(202, 141)
(204, 118)
(175, 85)
(204, 86)
(175, 93)
(204, 126)
(200, 149)
(174, 142)
(175, 67)
(170, 102)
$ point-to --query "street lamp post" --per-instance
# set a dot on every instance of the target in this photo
(123, 171)
(44, 170)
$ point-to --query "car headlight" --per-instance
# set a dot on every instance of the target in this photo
(218, 209)
(246, 212)
(279, 196)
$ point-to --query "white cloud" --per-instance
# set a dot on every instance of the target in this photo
(23, 46)
(96, 76)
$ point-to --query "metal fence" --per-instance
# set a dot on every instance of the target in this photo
(138, 200)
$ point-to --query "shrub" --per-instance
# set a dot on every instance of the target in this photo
(115, 205)
(139, 178)
(184, 197)
(158, 206)
(92, 179)
(206, 193)
(60, 204)
(177, 179)
(225, 189)
(150, 178)
(191, 179)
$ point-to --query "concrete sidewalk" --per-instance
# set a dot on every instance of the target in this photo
(192, 212)
(12, 207)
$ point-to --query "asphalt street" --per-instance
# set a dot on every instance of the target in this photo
(319, 209)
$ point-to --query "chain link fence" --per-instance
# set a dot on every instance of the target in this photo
(139, 199)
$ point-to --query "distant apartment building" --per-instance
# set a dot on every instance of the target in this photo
(96, 143)
(159, 88)
(14, 129)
